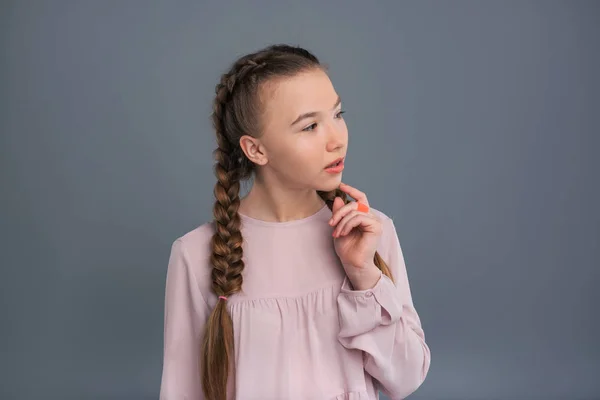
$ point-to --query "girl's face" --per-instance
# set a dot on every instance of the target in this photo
(302, 132)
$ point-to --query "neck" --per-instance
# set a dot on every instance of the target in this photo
(274, 202)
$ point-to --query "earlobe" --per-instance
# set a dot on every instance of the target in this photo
(253, 149)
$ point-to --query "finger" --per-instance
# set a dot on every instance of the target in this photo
(337, 204)
(359, 221)
(367, 223)
(342, 212)
(356, 218)
(343, 222)
(354, 193)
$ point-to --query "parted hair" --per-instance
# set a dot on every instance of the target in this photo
(237, 108)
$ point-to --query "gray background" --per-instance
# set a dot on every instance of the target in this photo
(473, 124)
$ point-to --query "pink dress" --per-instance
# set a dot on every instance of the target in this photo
(301, 331)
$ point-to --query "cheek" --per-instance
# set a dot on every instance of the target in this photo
(302, 157)
(307, 157)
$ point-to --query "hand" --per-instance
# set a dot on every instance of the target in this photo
(356, 236)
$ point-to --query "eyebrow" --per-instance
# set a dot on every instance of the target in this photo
(314, 113)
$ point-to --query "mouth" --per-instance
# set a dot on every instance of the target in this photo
(335, 163)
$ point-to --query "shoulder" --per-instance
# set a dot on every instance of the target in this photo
(380, 214)
(196, 243)
(194, 249)
(389, 238)
(386, 220)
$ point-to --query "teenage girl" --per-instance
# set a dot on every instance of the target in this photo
(295, 291)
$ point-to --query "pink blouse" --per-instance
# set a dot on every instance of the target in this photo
(300, 331)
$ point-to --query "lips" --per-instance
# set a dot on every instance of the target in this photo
(335, 162)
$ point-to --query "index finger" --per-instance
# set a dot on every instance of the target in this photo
(354, 193)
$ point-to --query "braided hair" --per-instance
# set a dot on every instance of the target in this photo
(236, 110)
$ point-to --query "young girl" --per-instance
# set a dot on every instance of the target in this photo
(294, 291)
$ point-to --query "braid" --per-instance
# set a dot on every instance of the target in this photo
(329, 197)
(226, 259)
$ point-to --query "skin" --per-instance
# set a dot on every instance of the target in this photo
(291, 156)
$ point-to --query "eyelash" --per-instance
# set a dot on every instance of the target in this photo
(314, 124)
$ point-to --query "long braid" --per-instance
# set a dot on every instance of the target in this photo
(329, 197)
(226, 259)
(227, 253)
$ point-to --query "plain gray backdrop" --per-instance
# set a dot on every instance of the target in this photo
(474, 124)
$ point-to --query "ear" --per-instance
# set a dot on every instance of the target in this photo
(253, 149)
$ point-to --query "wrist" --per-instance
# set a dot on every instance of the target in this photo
(364, 278)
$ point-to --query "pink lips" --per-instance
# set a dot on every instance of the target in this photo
(336, 167)
(334, 162)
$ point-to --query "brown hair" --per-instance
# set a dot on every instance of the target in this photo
(236, 112)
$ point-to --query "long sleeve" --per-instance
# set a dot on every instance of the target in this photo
(185, 314)
(383, 323)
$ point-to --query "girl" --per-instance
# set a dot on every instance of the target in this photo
(294, 291)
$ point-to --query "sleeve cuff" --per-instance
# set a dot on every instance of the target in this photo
(361, 311)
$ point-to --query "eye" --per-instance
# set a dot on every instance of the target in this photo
(339, 114)
(311, 127)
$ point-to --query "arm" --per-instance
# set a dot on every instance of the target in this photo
(186, 312)
(383, 323)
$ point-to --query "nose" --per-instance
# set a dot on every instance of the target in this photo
(336, 138)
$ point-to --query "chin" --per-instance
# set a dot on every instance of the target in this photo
(330, 184)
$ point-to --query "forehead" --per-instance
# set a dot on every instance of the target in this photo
(305, 92)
